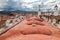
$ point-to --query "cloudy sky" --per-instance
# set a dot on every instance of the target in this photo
(28, 5)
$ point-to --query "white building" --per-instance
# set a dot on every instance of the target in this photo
(9, 22)
(39, 11)
(56, 11)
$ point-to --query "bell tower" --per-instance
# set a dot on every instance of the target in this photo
(55, 10)
(39, 11)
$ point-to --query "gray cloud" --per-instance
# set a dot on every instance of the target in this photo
(27, 4)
